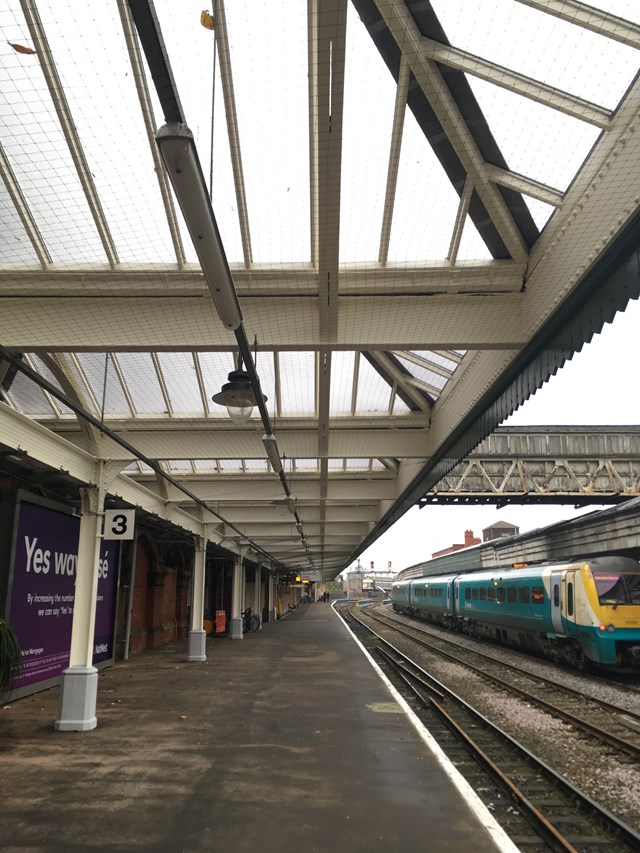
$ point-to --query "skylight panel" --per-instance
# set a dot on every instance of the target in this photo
(182, 465)
(298, 383)
(426, 203)
(142, 382)
(44, 371)
(374, 394)
(15, 245)
(230, 466)
(114, 400)
(357, 464)
(39, 156)
(306, 464)
(535, 140)
(216, 367)
(367, 122)
(440, 360)
(118, 153)
(399, 406)
(341, 382)
(205, 465)
(541, 46)
(423, 373)
(179, 373)
(29, 398)
(259, 465)
(540, 211)
(336, 464)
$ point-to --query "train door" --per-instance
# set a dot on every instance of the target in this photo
(568, 596)
(556, 599)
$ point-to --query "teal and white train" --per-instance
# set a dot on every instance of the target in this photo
(584, 612)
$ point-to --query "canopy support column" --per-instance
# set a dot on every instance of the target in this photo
(196, 644)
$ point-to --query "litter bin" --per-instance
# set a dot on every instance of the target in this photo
(221, 621)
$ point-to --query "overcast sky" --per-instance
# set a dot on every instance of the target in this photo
(598, 386)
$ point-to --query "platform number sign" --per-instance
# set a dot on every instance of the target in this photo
(119, 523)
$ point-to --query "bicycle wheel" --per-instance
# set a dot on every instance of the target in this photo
(255, 623)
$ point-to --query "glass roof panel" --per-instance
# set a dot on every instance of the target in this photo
(28, 397)
(440, 360)
(121, 163)
(400, 407)
(15, 246)
(336, 464)
(341, 383)
(374, 393)
(180, 377)
(423, 373)
(472, 246)
(426, 203)
(84, 389)
(377, 465)
(540, 211)
(38, 153)
(357, 464)
(205, 464)
(298, 383)
(367, 125)
(256, 465)
(267, 374)
(230, 465)
(178, 465)
(306, 464)
(215, 367)
(538, 142)
(142, 382)
(44, 371)
(93, 365)
(541, 46)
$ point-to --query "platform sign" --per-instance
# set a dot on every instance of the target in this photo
(311, 576)
(42, 592)
(119, 523)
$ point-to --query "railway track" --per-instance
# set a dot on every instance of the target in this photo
(618, 728)
(524, 792)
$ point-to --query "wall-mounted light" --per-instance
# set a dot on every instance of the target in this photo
(271, 446)
(237, 395)
(178, 150)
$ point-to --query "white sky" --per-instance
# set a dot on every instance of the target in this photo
(598, 386)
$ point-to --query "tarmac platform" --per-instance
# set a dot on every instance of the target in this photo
(287, 740)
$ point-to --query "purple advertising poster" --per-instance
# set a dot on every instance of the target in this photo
(42, 592)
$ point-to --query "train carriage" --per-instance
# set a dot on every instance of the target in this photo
(581, 612)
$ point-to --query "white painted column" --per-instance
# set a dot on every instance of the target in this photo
(237, 598)
(257, 594)
(79, 688)
(196, 645)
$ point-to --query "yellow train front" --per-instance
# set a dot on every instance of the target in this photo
(580, 612)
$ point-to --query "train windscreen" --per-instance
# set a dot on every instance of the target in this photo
(617, 587)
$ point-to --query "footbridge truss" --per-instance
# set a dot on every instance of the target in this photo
(577, 465)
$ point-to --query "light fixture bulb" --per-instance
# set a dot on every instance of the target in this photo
(237, 395)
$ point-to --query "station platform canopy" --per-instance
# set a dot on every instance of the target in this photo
(413, 215)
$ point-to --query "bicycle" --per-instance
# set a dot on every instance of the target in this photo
(250, 622)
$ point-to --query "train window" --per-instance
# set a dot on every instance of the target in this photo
(523, 594)
(570, 599)
(474, 593)
(556, 595)
(491, 593)
(467, 593)
(500, 594)
(537, 594)
(511, 594)
(616, 587)
(483, 594)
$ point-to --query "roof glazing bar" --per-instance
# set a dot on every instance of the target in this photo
(226, 77)
(402, 91)
(24, 212)
(68, 127)
(596, 20)
(527, 87)
(534, 189)
(461, 218)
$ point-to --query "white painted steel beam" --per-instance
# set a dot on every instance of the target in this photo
(527, 87)
(596, 20)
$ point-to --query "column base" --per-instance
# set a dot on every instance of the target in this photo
(235, 629)
(197, 645)
(78, 693)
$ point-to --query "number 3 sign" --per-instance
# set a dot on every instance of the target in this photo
(119, 523)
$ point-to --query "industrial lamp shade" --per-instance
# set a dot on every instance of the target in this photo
(237, 395)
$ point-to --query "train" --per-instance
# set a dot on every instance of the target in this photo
(583, 612)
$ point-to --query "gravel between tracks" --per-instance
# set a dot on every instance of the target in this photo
(613, 782)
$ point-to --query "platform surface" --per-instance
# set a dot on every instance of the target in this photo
(287, 740)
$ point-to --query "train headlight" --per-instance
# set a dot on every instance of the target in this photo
(608, 627)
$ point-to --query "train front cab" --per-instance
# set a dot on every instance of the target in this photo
(600, 608)
(401, 596)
